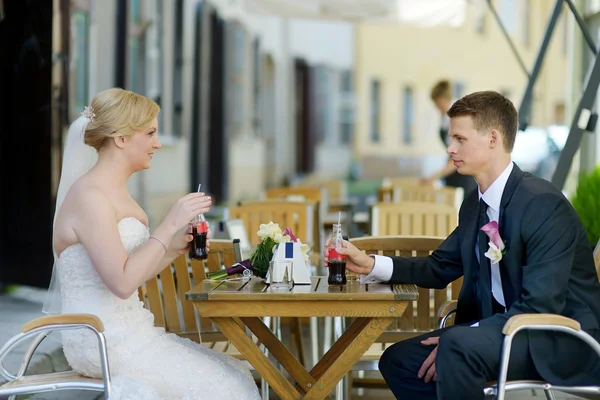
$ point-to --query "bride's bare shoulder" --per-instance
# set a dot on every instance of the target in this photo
(85, 194)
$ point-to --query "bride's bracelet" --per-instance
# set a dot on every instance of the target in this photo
(160, 241)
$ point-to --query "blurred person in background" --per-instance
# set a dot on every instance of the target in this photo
(441, 95)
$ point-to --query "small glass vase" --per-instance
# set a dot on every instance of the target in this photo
(281, 275)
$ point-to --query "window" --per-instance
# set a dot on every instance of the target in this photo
(239, 92)
(135, 42)
(407, 115)
(321, 102)
(527, 23)
(481, 19)
(566, 26)
(145, 46)
(152, 86)
(346, 81)
(80, 39)
(508, 15)
(256, 87)
(458, 90)
(375, 111)
(178, 70)
(346, 107)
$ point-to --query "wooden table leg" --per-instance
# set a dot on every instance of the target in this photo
(248, 348)
(339, 346)
(280, 352)
(345, 353)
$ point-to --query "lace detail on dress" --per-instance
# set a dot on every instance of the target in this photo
(147, 362)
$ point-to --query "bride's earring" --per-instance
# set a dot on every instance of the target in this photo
(120, 142)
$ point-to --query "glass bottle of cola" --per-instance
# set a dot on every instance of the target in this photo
(198, 228)
(337, 261)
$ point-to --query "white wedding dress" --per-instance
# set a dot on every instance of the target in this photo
(146, 363)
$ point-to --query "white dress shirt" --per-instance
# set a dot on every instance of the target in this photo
(384, 266)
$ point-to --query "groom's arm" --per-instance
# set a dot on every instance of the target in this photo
(551, 233)
(436, 271)
(443, 266)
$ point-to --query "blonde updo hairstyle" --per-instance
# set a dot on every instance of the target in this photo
(118, 112)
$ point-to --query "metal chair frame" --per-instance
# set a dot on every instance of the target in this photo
(499, 389)
(40, 334)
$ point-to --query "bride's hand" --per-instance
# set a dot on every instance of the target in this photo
(182, 241)
(186, 208)
(180, 244)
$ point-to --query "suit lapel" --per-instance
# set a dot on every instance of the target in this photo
(511, 185)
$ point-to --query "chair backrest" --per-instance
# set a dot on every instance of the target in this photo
(413, 218)
(445, 195)
(303, 193)
(164, 295)
(317, 195)
(421, 315)
(299, 216)
(400, 181)
(337, 188)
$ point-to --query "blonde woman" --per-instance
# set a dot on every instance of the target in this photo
(441, 95)
(104, 251)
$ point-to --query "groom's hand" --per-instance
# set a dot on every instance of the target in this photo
(427, 370)
(356, 260)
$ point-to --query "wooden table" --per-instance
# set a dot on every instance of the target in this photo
(233, 304)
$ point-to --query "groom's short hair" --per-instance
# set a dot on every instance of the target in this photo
(489, 110)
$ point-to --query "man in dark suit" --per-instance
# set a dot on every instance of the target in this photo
(546, 267)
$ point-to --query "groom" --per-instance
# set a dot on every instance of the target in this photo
(547, 267)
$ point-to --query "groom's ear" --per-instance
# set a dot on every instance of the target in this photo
(119, 141)
(494, 138)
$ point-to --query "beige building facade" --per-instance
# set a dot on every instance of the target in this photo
(397, 125)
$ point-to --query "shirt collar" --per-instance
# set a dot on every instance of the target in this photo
(493, 196)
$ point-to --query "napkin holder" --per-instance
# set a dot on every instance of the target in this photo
(291, 251)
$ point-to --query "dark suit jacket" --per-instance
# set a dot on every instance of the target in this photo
(548, 267)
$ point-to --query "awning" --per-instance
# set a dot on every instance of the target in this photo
(416, 12)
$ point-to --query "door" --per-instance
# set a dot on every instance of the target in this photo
(305, 143)
(26, 203)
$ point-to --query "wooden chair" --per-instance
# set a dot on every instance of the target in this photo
(521, 322)
(302, 193)
(299, 216)
(446, 195)
(337, 188)
(413, 218)
(164, 296)
(401, 181)
(316, 195)
(420, 316)
(337, 201)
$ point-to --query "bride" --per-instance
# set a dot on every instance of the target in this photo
(104, 252)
